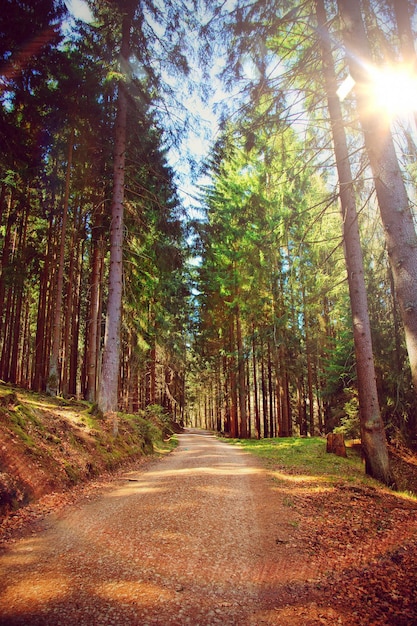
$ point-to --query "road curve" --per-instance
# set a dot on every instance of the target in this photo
(198, 537)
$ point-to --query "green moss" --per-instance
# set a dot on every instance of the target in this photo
(48, 429)
(23, 435)
(72, 472)
(89, 420)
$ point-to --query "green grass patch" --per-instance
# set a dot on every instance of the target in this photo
(305, 457)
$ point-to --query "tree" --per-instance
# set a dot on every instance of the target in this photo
(392, 196)
(372, 427)
(53, 375)
(108, 395)
(70, 91)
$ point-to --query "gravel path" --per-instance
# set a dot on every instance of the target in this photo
(201, 537)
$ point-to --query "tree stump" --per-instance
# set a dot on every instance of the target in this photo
(336, 444)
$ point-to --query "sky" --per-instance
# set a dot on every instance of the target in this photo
(80, 10)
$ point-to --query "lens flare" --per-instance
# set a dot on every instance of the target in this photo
(394, 90)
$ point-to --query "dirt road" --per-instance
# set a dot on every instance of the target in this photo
(199, 537)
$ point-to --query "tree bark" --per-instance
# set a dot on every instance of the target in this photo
(234, 424)
(264, 395)
(372, 427)
(255, 386)
(19, 288)
(5, 259)
(243, 430)
(38, 377)
(53, 374)
(405, 32)
(108, 395)
(392, 197)
(93, 322)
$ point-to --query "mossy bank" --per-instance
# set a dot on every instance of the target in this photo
(49, 444)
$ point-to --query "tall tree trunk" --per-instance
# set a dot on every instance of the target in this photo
(234, 425)
(108, 395)
(225, 395)
(94, 314)
(7, 335)
(255, 386)
(243, 430)
(264, 395)
(405, 32)
(392, 197)
(372, 427)
(70, 313)
(24, 369)
(283, 395)
(54, 374)
(75, 330)
(152, 372)
(309, 367)
(39, 365)
(271, 428)
(5, 259)
(10, 352)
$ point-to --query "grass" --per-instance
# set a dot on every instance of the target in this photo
(305, 458)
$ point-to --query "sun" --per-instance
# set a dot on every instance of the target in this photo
(394, 90)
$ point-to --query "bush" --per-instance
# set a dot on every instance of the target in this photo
(158, 416)
(350, 424)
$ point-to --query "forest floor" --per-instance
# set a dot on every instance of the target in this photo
(211, 534)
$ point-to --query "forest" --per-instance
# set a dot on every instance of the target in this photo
(265, 289)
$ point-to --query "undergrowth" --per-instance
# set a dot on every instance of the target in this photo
(306, 456)
(50, 443)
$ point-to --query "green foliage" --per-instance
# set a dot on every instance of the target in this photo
(350, 423)
(270, 258)
(148, 432)
(159, 417)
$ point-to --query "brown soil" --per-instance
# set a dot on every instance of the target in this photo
(50, 444)
(209, 535)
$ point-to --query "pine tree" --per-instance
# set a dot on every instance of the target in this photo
(372, 427)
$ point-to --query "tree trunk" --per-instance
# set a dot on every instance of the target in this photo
(309, 368)
(234, 425)
(5, 258)
(71, 284)
(405, 32)
(39, 365)
(264, 395)
(392, 197)
(19, 288)
(24, 371)
(284, 394)
(151, 397)
(7, 335)
(225, 395)
(108, 395)
(255, 386)
(372, 427)
(75, 330)
(94, 322)
(243, 430)
(54, 375)
(271, 427)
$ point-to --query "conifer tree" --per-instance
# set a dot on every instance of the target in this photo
(394, 205)
(372, 427)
